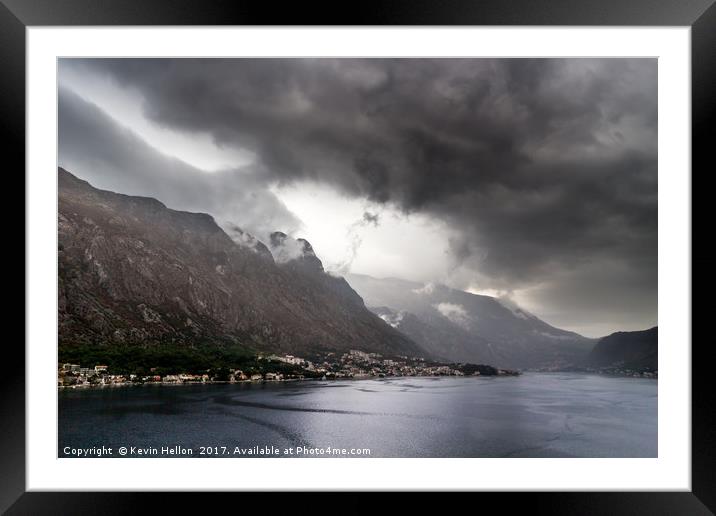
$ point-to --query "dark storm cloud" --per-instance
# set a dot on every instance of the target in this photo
(112, 157)
(543, 165)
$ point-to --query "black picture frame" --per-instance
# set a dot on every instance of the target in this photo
(700, 15)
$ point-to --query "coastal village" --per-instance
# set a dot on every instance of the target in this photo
(618, 370)
(275, 368)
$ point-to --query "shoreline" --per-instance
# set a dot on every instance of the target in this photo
(294, 380)
(264, 382)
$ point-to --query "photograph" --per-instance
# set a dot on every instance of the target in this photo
(357, 257)
(422, 251)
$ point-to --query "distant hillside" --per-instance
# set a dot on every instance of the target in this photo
(627, 349)
(461, 326)
(134, 272)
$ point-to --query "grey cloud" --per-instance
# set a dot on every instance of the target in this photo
(371, 218)
(595, 306)
(354, 240)
(109, 156)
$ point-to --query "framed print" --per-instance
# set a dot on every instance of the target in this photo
(420, 249)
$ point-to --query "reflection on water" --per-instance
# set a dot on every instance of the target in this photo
(534, 415)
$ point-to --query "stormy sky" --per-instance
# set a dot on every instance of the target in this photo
(533, 179)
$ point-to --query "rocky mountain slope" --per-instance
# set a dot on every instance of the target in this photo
(460, 326)
(627, 349)
(132, 271)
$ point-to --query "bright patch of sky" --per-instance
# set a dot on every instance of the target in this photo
(412, 247)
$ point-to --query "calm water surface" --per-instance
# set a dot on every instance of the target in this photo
(534, 415)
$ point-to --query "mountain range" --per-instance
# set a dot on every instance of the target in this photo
(132, 272)
(636, 350)
(461, 326)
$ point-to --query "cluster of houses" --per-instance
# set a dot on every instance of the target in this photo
(359, 364)
(618, 371)
(613, 371)
(74, 375)
(353, 364)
